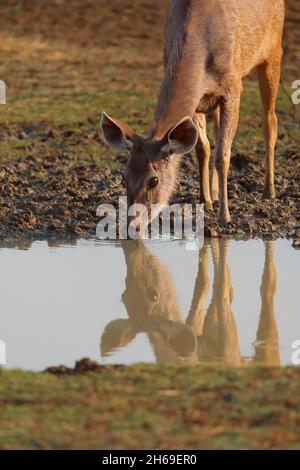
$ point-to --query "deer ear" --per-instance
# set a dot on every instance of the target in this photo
(183, 137)
(116, 133)
(117, 334)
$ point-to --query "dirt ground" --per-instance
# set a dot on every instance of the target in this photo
(66, 61)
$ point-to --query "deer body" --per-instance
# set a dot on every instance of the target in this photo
(210, 46)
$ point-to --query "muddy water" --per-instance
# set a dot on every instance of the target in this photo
(231, 302)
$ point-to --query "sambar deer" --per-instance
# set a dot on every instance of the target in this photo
(210, 46)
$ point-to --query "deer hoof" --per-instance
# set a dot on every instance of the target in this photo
(215, 196)
(269, 193)
(208, 206)
(225, 221)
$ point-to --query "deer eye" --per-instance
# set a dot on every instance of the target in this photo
(153, 182)
(153, 295)
(165, 155)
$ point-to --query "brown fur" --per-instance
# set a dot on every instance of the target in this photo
(210, 46)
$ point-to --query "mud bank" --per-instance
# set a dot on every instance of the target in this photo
(50, 196)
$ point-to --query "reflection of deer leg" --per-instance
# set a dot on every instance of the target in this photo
(266, 349)
(209, 342)
(212, 317)
(228, 336)
(196, 314)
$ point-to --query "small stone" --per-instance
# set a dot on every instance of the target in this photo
(296, 244)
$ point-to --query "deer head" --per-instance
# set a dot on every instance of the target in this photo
(150, 176)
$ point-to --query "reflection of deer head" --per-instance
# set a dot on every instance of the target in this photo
(210, 336)
(152, 308)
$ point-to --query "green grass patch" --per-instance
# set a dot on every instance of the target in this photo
(151, 407)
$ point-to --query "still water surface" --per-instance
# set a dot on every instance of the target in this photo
(231, 302)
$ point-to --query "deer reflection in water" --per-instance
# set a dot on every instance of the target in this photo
(206, 336)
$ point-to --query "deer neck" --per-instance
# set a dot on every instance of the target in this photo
(181, 88)
(178, 98)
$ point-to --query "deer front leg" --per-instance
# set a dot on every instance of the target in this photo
(269, 77)
(203, 156)
(214, 179)
(229, 118)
